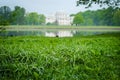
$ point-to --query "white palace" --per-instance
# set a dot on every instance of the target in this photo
(60, 18)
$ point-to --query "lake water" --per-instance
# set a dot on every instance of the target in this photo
(49, 33)
(60, 34)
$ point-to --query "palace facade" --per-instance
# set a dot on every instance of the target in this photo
(60, 18)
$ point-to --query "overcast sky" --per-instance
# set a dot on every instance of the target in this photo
(46, 6)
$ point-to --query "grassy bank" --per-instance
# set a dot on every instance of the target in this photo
(77, 58)
(55, 26)
(58, 28)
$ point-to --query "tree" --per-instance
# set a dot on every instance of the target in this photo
(113, 3)
(5, 15)
(116, 18)
(108, 16)
(34, 19)
(88, 17)
(18, 15)
(88, 22)
(101, 17)
(41, 19)
(78, 19)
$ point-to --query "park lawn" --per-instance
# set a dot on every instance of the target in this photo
(62, 28)
(76, 58)
(55, 26)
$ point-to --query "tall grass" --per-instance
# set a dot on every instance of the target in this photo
(78, 58)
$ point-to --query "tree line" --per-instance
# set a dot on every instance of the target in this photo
(105, 17)
(18, 16)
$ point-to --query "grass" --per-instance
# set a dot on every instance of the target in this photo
(54, 26)
(57, 28)
(77, 58)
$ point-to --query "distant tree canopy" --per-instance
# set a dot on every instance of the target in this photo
(5, 15)
(34, 19)
(78, 19)
(113, 3)
(104, 17)
(109, 16)
(19, 17)
(116, 18)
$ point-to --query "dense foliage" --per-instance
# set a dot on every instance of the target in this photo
(5, 15)
(109, 17)
(34, 18)
(77, 58)
(78, 19)
(112, 3)
(19, 17)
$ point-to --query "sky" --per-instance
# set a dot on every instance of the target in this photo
(47, 6)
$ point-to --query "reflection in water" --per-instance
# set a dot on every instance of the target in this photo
(62, 33)
(65, 34)
(59, 34)
(50, 34)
